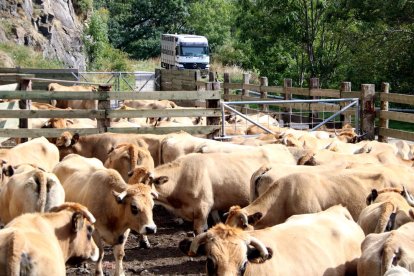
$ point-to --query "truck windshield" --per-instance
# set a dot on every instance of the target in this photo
(191, 51)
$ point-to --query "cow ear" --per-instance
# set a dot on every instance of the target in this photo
(75, 138)
(252, 219)
(8, 171)
(253, 255)
(160, 180)
(372, 196)
(185, 245)
(77, 221)
(111, 150)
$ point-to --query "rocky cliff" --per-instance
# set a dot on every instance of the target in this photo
(49, 26)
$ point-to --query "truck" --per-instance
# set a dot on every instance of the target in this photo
(185, 51)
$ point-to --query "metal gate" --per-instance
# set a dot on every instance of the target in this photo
(345, 105)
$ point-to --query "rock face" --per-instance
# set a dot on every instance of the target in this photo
(50, 26)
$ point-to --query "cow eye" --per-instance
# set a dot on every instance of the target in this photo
(89, 232)
(134, 209)
(243, 268)
(211, 267)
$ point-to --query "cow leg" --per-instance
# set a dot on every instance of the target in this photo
(119, 254)
(98, 241)
(215, 216)
(143, 241)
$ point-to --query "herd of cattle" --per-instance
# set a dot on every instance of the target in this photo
(289, 203)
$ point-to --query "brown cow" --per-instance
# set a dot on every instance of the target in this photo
(40, 244)
(74, 104)
(117, 206)
(29, 190)
(325, 243)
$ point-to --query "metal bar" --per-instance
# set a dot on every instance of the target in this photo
(132, 88)
(291, 101)
(334, 115)
(145, 83)
(247, 119)
(357, 127)
(62, 81)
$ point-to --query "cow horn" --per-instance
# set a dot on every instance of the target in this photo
(154, 194)
(408, 197)
(259, 246)
(76, 207)
(200, 239)
(120, 196)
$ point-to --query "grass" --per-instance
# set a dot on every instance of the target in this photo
(27, 58)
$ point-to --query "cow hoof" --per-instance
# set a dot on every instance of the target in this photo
(179, 221)
(144, 244)
(191, 234)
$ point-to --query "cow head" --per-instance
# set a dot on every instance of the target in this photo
(125, 157)
(137, 202)
(228, 250)
(140, 174)
(77, 232)
(66, 142)
(238, 217)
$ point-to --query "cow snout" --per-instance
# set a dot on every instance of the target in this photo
(152, 229)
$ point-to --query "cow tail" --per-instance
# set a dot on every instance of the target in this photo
(389, 258)
(42, 189)
(387, 208)
(18, 262)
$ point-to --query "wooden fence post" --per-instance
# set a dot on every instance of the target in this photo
(245, 92)
(198, 80)
(25, 85)
(157, 79)
(383, 123)
(226, 90)
(346, 86)
(105, 122)
(313, 84)
(368, 111)
(263, 93)
(287, 84)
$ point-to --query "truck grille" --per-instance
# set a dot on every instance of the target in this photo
(194, 65)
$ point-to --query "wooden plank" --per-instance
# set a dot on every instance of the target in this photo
(397, 98)
(274, 89)
(67, 95)
(47, 132)
(298, 91)
(74, 113)
(399, 134)
(254, 87)
(166, 130)
(173, 112)
(352, 94)
(397, 116)
(233, 85)
(331, 93)
(13, 77)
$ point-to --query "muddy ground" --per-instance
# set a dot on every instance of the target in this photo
(163, 258)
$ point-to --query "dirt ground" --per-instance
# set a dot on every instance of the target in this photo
(163, 258)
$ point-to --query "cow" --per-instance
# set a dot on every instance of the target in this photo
(398, 271)
(125, 157)
(74, 104)
(41, 243)
(387, 210)
(381, 251)
(325, 243)
(37, 151)
(117, 206)
(29, 189)
(98, 145)
(309, 192)
(196, 184)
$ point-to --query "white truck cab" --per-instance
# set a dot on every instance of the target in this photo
(184, 51)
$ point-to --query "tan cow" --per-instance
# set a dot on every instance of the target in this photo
(196, 184)
(325, 243)
(390, 208)
(98, 145)
(40, 244)
(29, 190)
(117, 206)
(125, 157)
(383, 250)
(38, 151)
(307, 192)
(74, 104)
